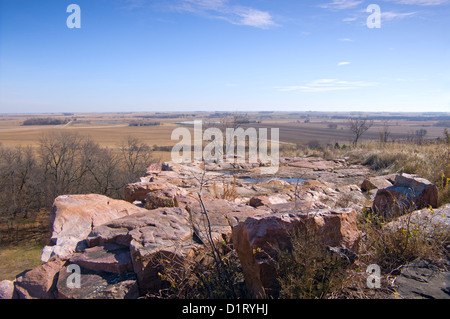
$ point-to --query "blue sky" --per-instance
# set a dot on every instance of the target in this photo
(216, 55)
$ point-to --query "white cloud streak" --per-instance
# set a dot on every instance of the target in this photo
(341, 4)
(326, 85)
(389, 15)
(423, 2)
(234, 14)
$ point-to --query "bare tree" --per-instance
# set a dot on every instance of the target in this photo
(19, 182)
(136, 156)
(105, 175)
(358, 126)
(60, 156)
(420, 135)
(385, 132)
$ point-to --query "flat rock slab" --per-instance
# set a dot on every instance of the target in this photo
(97, 285)
(422, 280)
(110, 258)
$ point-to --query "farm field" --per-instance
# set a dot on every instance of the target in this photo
(110, 129)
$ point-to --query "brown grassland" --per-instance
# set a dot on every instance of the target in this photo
(109, 129)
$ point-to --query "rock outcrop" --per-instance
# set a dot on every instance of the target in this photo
(118, 245)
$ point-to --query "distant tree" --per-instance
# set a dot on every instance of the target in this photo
(419, 136)
(45, 121)
(385, 132)
(313, 144)
(332, 126)
(358, 126)
(446, 136)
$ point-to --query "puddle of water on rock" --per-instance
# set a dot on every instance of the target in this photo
(263, 179)
(286, 179)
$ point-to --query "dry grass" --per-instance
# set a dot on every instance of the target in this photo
(15, 259)
(228, 191)
(397, 244)
(309, 270)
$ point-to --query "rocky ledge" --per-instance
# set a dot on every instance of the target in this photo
(116, 245)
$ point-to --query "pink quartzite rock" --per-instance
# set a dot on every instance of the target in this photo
(408, 193)
(139, 191)
(73, 217)
(7, 290)
(110, 258)
(257, 239)
(40, 282)
(375, 182)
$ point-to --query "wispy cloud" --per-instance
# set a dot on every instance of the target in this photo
(422, 2)
(325, 85)
(389, 15)
(343, 63)
(341, 4)
(234, 14)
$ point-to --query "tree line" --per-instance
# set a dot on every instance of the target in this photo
(45, 121)
(66, 163)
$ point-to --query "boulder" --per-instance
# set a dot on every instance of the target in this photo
(408, 193)
(138, 191)
(430, 222)
(73, 217)
(375, 182)
(268, 201)
(40, 282)
(258, 240)
(425, 192)
(163, 198)
(7, 290)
